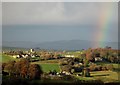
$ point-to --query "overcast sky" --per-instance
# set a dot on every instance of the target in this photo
(53, 21)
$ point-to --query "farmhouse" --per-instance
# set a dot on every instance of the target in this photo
(16, 56)
(25, 56)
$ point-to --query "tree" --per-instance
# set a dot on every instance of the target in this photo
(66, 68)
(24, 71)
(90, 57)
(92, 67)
(86, 72)
(10, 67)
(35, 71)
(111, 58)
(17, 69)
(21, 68)
(110, 67)
(86, 62)
(3, 66)
(24, 66)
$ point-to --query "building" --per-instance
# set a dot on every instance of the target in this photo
(69, 56)
(16, 56)
(98, 59)
(31, 50)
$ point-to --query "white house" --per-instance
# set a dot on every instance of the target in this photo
(69, 56)
(98, 59)
(25, 56)
(33, 56)
(31, 50)
(16, 56)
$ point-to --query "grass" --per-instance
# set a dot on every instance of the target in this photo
(50, 61)
(105, 76)
(48, 66)
(6, 58)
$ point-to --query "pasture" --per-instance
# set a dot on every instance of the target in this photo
(6, 58)
(46, 67)
(105, 76)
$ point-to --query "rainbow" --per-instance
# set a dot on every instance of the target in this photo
(103, 25)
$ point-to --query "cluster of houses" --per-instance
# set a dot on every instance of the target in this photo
(29, 54)
(60, 74)
(24, 56)
(97, 59)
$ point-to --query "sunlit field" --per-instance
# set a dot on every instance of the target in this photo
(6, 58)
(105, 76)
(46, 67)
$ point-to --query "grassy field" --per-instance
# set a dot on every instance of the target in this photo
(105, 76)
(48, 66)
(6, 58)
(49, 61)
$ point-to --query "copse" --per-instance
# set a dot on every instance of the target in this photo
(3, 65)
(35, 71)
(66, 64)
(90, 56)
(9, 67)
(23, 69)
(17, 69)
(106, 54)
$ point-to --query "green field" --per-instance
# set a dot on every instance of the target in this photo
(6, 58)
(49, 66)
(46, 67)
(105, 76)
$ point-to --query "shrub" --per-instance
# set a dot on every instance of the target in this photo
(92, 67)
(99, 68)
(67, 77)
(104, 68)
(110, 67)
(86, 72)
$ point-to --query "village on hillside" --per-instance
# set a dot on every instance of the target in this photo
(71, 64)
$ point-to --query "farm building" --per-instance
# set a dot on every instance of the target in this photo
(69, 56)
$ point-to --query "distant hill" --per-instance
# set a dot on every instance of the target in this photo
(61, 45)
(20, 44)
(74, 44)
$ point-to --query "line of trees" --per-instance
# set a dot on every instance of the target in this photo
(22, 68)
(107, 54)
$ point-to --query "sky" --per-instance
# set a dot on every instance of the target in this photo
(55, 21)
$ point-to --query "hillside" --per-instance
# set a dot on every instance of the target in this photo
(61, 45)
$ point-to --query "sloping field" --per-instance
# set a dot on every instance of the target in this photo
(105, 76)
(46, 67)
(6, 58)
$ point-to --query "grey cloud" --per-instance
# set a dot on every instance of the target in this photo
(55, 12)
